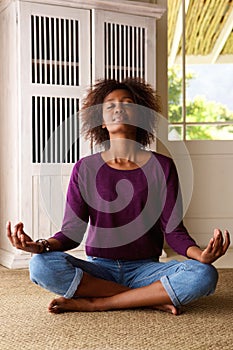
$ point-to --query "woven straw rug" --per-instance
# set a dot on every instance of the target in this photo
(26, 324)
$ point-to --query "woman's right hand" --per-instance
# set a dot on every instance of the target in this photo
(20, 240)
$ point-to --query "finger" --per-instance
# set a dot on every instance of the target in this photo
(227, 241)
(15, 235)
(209, 247)
(218, 241)
(218, 236)
(8, 231)
(22, 239)
(21, 235)
(220, 248)
(18, 226)
(20, 229)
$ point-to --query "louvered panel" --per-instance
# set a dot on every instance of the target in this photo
(124, 51)
(55, 50)
(48, 205)
(55, 129)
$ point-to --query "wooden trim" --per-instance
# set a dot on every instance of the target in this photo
(14, 260)
(225, 262)
(222, 39)
(4, 4)
(125, 6)
(177, 37)
(198, 59)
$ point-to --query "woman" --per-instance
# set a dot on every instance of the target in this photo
(129, 199)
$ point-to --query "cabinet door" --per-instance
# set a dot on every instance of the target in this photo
(123, 46)
(55, 72)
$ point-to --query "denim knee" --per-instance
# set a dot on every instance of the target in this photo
(190, 281)
(39, 267)
(208, 278)
(54, 272)
(203, 278)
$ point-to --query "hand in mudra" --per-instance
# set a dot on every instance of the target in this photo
(20, 240)
(217, 247)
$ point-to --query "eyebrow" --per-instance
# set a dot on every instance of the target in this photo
(123, 98)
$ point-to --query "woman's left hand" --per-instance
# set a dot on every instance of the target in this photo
(216, 248)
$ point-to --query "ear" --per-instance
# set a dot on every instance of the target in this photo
(103, 126)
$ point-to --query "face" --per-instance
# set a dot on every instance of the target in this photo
(119, 112)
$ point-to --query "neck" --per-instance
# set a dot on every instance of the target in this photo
(124, 149)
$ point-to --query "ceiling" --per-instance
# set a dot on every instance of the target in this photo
(209, 31)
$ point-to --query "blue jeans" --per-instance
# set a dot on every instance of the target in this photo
(184, 281)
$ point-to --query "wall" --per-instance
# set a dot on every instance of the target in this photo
(211, 204)
(9, 130)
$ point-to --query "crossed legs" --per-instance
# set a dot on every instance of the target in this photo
(85, 286)
(94, 294)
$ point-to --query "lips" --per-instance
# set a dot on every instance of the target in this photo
(119, 118)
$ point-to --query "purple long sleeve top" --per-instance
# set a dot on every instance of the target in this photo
(126, 213)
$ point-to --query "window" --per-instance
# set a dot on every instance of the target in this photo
(200, 49)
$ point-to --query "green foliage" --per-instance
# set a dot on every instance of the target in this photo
(175, 94)
(197, 111)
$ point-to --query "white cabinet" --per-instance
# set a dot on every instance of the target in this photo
(50, 54)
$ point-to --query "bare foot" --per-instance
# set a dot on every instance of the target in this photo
(168, 308)
(62, 304)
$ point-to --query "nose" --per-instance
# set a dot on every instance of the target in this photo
(119, 108)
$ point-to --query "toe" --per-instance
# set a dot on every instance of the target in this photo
(54, 306)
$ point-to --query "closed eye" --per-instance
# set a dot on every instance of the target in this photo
(127, 104)
(109, 106)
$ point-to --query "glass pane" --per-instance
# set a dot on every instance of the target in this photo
(208, 74)
(209, 132)
(209, 93)
(175, 94)
(175, 132)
